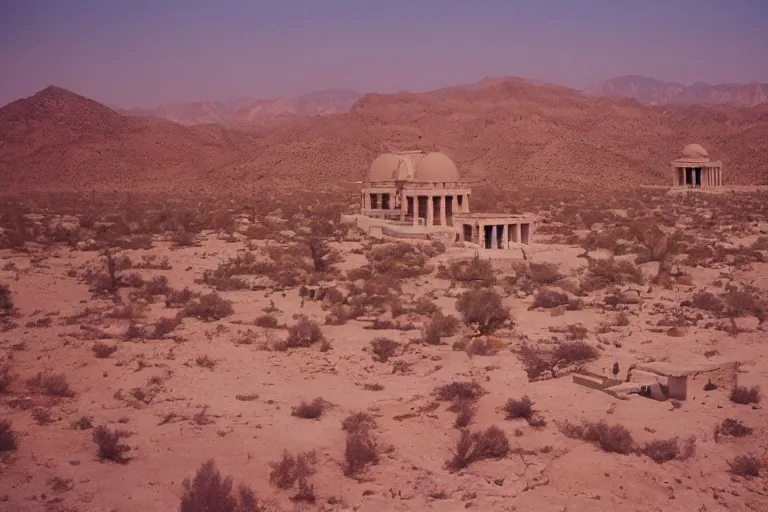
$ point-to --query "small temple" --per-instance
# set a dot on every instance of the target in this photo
(694, 169)
(415, 194)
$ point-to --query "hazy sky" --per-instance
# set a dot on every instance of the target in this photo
(147, 52)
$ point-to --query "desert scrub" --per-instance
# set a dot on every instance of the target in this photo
(209, 307)
(482, 309)
(491, 443)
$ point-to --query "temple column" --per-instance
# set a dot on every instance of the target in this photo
(481, 235)
(518, 233)
(505, 237)
(415, 210)
(430, 210)
(494, 237)
(443, 217)
(367, 201)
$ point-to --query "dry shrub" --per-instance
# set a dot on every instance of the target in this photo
(544, 273)
(103, 350)
(459, 391)
(397, 260)
(358, 421)
(707, 301)
(535, 365)
(483, 309)
(383, 349)
(484, 346)
(360, 449)
(42, 416)
(84, 423)
(522, 408)
(744, 301)
(165, 325)
(291, 470)
(210, 492)
(611, 438)
(267, 321)
(110, 443)
(205, 362)
(475, 270)
(491, 443)
(209, 307)
(339, 315)
(578, 351)
(439, 325)
(465, 410)
(577, 332)
(310, 410)
(303, 333)
(548, 299)
(424, 306)
(179, 298)
(732, 428)
(6, 302)
(744, 395)
(748, 465)
(610, 272)
(661, 451)
(50, 384)
(6, 378)
(8, 439)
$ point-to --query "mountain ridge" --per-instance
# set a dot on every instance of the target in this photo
(504, 133)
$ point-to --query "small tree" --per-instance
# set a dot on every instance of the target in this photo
(209, 491)
(484, 309)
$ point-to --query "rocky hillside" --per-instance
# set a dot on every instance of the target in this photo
(507, 133)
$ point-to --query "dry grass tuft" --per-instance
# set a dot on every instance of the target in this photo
(459, 391)
(310, 410)
(110, 443)
(491, 443)
(50, 384)
(384, 348)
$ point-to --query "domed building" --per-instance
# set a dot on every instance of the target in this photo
(694, 168)
(424, 188)
(413, 194)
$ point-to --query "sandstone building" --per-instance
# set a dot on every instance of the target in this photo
(413, 194)
(693, 168)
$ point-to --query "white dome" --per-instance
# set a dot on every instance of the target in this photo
(436, 167)
(694, 153)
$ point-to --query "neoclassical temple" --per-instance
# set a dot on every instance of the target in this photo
(424, 188)
(694, 168)
(413, 194)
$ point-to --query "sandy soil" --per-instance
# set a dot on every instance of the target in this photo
(238, 410)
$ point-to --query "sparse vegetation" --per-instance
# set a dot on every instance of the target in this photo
(209, 308)
(290, 471)
(8, 440)
(383, 349)
(491, 443)
(310, 410)
(103, 350)
(746, 395)
(209, 491)
(109, 442)
(610, 438)
(483, 309)
(748, 465)
(360, 449)
(303, 333)
(459, 391)
(50, 384)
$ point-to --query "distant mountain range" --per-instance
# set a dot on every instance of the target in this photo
(652, 91)
(238, 113)
(501, 132)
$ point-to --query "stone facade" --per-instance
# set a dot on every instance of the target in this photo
(694, 169)
(417, 194)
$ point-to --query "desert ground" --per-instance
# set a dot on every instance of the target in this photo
(142, 337)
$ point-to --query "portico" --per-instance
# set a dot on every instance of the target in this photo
(694, 169)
